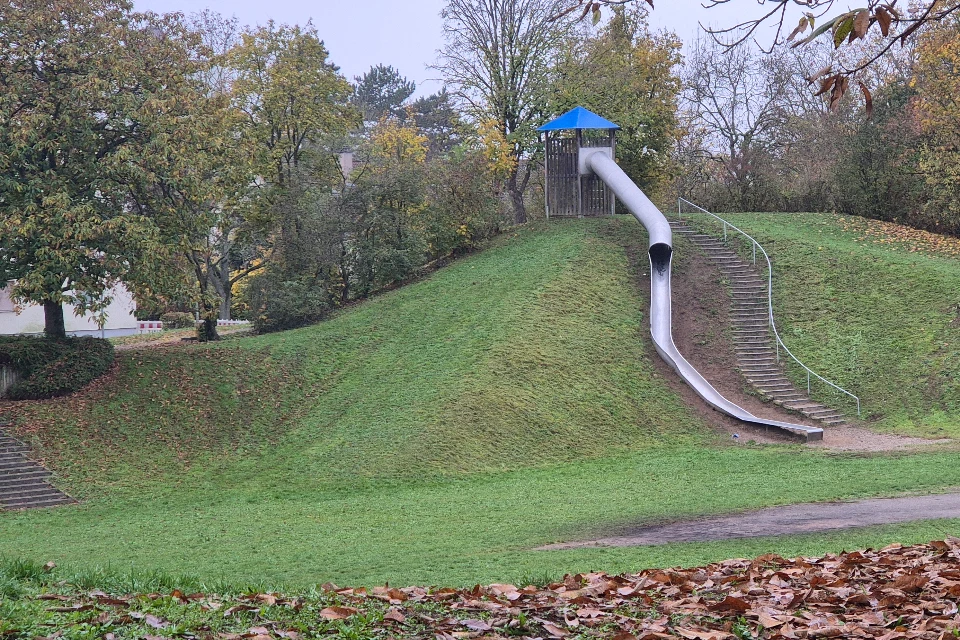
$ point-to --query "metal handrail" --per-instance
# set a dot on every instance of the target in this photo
(779, 341)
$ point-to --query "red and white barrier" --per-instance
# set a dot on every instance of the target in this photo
(149, 326)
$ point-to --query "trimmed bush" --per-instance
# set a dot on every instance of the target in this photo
(177, 320)
(50, 368)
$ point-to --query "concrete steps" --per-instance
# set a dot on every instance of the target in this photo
(753, 341)
(24, 484)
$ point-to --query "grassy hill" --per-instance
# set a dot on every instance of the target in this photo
(435, 434)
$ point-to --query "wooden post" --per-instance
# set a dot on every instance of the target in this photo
(579, 177)
(546, 175)
(613, 154)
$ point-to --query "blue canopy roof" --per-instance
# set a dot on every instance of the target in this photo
(578, 118)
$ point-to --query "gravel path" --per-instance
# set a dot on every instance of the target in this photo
(793, 519)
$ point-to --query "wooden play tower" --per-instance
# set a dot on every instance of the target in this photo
(571, 190)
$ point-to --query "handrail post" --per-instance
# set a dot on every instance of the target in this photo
(808, 383)
(754, 253)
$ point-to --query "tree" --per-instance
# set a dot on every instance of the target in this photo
(381, 92)
(938, 114)
(627, 74)
(735, 95)
(290, 99)
(98, 104)
(437, 118)
(876, 173)
(464, 188)
(497, 57)
(841, 28)
(387, 246)
(290, 94)
(225, 246)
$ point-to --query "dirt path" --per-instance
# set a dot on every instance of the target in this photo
(778, 521)
(170, 337)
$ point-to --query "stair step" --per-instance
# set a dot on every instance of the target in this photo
(801, 405)
(825, 412)
(14, 448)
(14, 463)
(13, 481)
(38, 503)
(35, 491)
(833, 421)
(9, 474)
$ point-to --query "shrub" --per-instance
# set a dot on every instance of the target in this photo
(50, 368)
(286, 304)
(464, 205)
(177, 320)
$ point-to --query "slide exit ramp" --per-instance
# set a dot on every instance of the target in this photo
(661, 321)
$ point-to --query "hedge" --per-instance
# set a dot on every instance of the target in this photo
(50, 368)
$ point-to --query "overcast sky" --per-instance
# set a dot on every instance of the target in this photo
(404, 33)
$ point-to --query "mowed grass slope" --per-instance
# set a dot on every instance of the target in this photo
(873, 306)
(435, 434)
(526, 354)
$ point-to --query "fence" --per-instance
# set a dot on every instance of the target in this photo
(155, 326)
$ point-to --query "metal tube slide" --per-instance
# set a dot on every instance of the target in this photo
(661, 323)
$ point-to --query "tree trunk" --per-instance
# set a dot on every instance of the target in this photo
(516, 196)
(208, 329)
(225, 305)
(53, 322)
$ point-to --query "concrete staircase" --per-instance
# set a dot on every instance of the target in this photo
(753, 341)
(24, 483)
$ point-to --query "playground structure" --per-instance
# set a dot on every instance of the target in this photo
(599, 162)
(570, 191)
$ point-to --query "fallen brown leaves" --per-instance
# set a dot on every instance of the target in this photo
(901, 236)
(897, 592)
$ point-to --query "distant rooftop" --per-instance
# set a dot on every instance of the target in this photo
(578, 118)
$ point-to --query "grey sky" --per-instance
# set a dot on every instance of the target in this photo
(405, 33)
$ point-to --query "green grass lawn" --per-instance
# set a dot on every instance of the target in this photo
(434, 434)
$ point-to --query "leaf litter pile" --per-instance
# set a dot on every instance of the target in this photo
(897, 592)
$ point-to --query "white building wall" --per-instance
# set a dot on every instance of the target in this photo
(29, 318)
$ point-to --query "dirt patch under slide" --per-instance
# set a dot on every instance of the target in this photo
(790, 520)
(702, 333)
